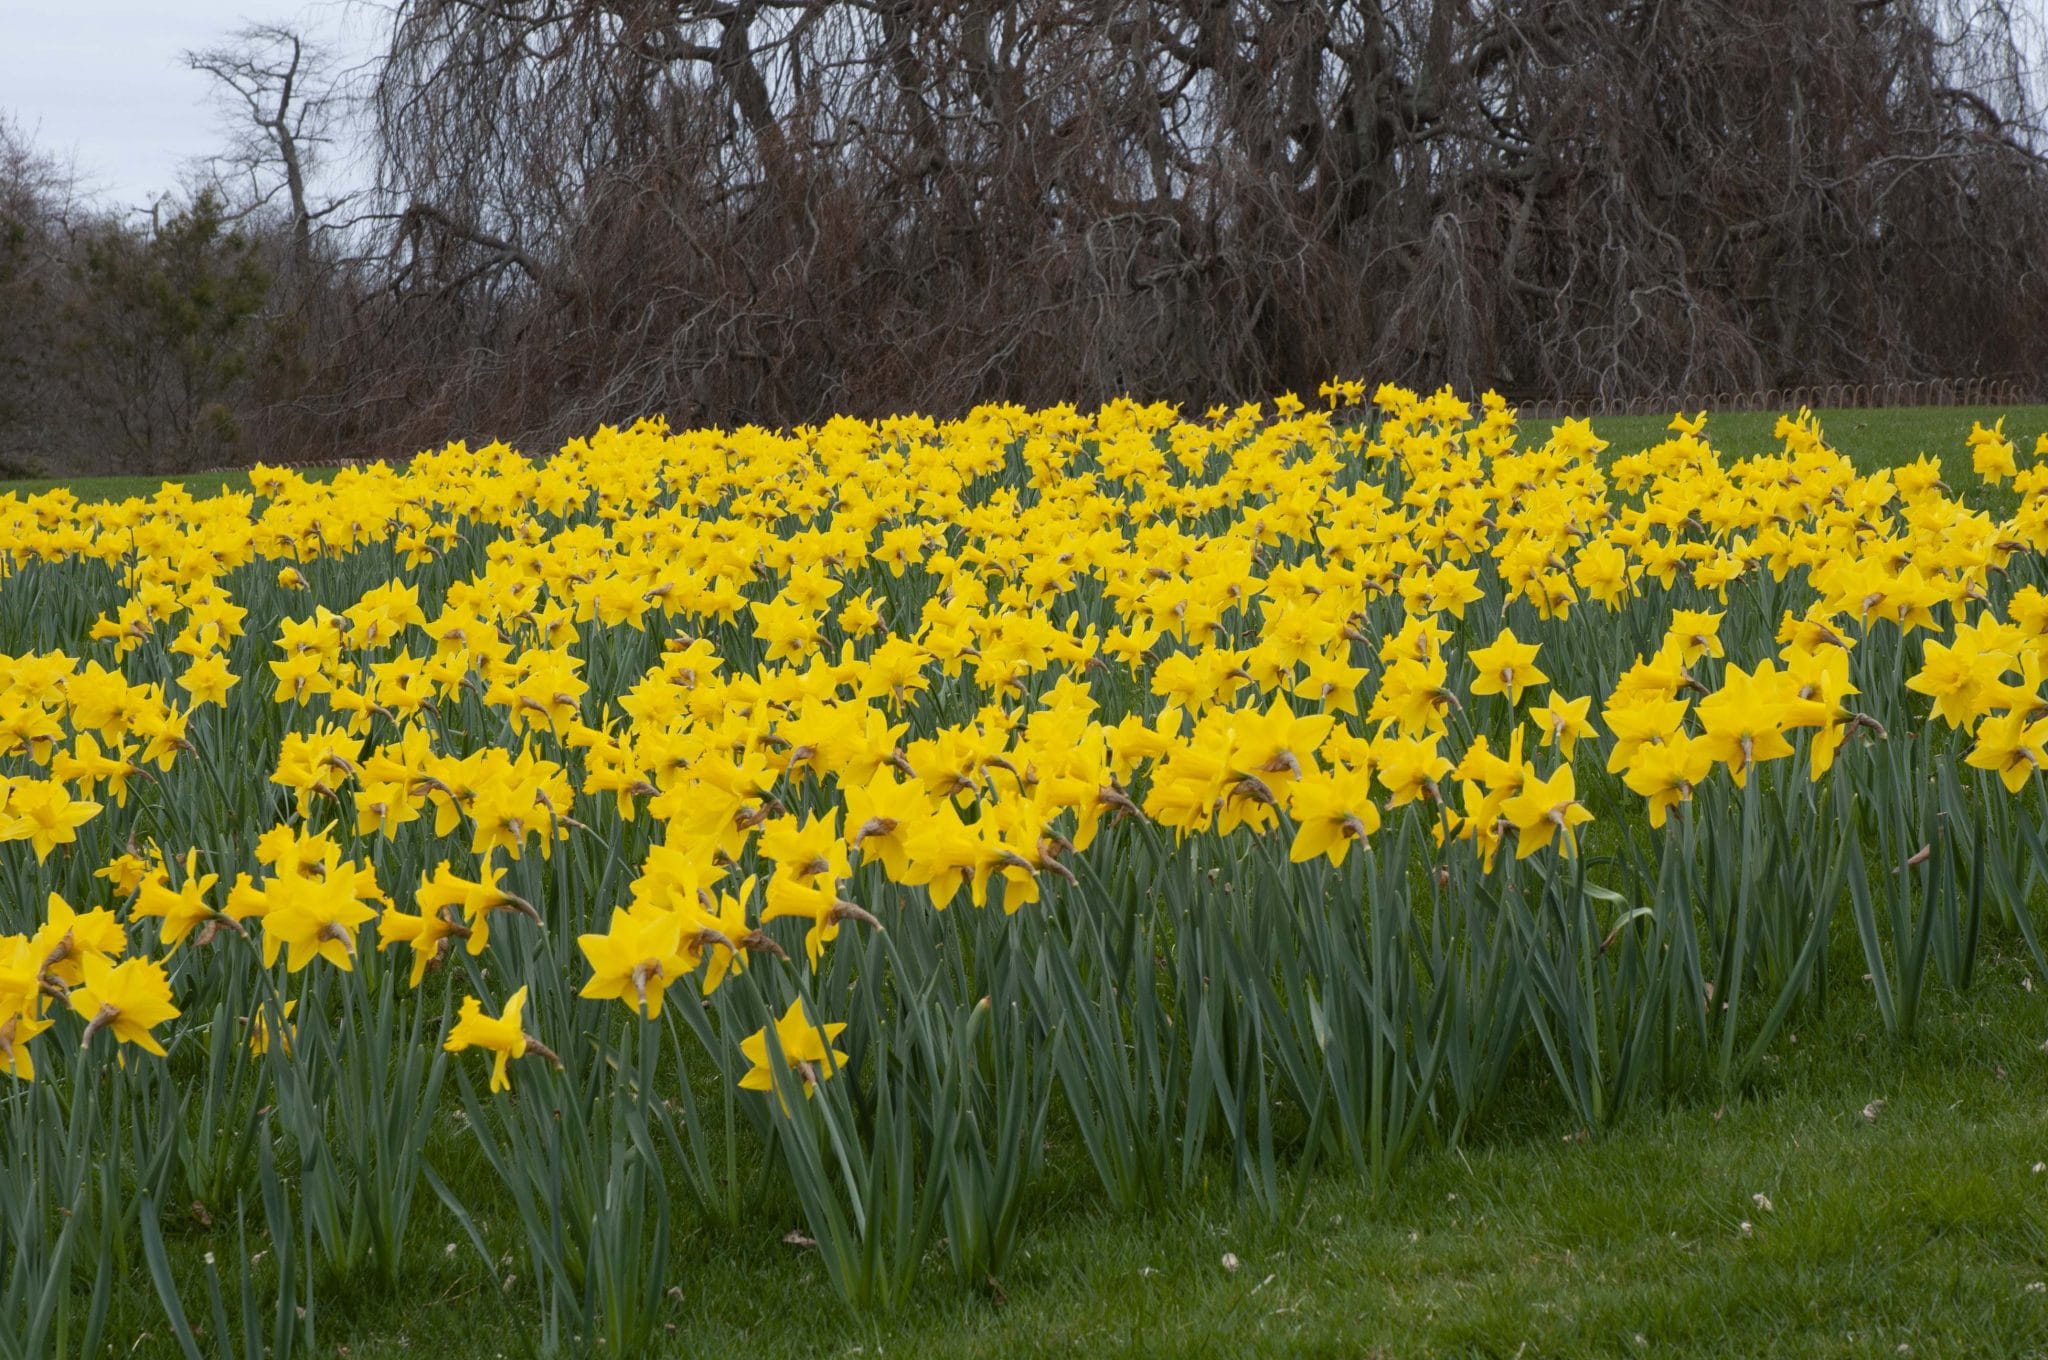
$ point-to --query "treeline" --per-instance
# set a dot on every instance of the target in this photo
(582, 210)
(130, 346)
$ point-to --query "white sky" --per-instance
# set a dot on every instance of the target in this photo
(103, 83)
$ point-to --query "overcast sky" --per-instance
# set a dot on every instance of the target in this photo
(103, 82)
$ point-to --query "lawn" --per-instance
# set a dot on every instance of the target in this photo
(1874, 438)
(1907, 1215)
(120, 488)
(1871, 438)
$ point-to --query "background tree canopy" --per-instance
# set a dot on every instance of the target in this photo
(770, 210)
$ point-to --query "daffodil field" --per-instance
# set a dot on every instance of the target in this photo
(735, 831)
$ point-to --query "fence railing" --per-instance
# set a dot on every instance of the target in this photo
(1931, 392)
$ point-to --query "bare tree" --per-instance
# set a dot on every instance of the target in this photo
(39, 211)
(281, 103)
(774, 208)
(769, 210)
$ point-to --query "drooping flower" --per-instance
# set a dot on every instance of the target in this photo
(130, 998)
(806, 1047)
(503, 1036)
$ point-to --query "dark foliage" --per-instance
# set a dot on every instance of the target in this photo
(770, 210)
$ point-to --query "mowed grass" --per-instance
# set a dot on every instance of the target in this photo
(1861, 1197)
(122, 488)
(1871, 439)
(1903, 1211)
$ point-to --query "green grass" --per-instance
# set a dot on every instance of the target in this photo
(1922, 1228)
(121, 488)
(1872, 438)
